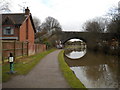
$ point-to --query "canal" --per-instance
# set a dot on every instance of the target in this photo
(94, 70)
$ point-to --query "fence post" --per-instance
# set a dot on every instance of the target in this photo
(35, 48)
(27, 48)
(22, 48)
(1, 50)
(14, 50)
(2, 60)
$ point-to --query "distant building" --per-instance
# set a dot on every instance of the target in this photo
(18, 26)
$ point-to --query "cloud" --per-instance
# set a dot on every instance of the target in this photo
(70, 13)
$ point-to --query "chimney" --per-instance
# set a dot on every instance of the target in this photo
(27, 11)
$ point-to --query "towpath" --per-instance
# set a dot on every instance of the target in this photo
(46, 74)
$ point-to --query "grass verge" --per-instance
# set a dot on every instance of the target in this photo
(23, 65)
(73, 81)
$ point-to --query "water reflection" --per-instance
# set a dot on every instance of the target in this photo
(75, 53)
(96, 70)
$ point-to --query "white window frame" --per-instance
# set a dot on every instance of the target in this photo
(7, 29)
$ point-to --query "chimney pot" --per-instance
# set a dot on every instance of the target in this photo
(27, 11)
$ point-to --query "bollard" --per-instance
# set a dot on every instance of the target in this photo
(11, 60)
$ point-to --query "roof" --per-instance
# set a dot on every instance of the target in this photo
(16, 19)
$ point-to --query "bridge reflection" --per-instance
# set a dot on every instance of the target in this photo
(92, 59)
(96, 70)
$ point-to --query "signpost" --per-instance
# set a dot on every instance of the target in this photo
(11, 61)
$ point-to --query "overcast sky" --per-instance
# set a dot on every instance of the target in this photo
(70, 13)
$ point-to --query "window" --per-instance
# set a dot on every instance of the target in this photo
(8, 31)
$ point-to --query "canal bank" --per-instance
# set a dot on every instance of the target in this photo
(73, 81)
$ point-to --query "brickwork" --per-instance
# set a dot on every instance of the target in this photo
(15, 47)
(30, 31)
(20, 48)
(24, 31)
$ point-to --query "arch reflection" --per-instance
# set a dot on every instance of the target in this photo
(75, 48)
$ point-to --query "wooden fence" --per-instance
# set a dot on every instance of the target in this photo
(20, 49)
(15, 47)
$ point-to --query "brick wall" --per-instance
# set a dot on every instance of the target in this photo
(26, 32)
(20, 48)
(31, 32)
(40, 48)
(36, 48)
(22, 32)
(15, 47)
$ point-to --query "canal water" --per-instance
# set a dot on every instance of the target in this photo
(94, 70)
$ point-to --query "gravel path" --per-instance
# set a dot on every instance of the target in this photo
(46, 74)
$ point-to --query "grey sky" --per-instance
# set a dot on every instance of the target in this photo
(70, 13)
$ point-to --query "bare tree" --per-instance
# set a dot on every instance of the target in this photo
(37, 23)
(112, 12)
(103, 23)
(51, 24)
(51, 29)
(114, 26)
(22, 6)
(95, 29)
(92, 26)
(5, 5)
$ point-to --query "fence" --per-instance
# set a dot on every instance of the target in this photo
(20, 48)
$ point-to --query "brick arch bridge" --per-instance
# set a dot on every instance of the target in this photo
(89, 38)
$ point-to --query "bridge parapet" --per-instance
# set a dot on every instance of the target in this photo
(88, 37)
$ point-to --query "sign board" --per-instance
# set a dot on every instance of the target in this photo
(10, 59)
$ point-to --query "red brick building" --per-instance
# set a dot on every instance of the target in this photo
(19, 27)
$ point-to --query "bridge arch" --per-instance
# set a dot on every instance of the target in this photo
(89, 38)
(65, 36)
(74, 37)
